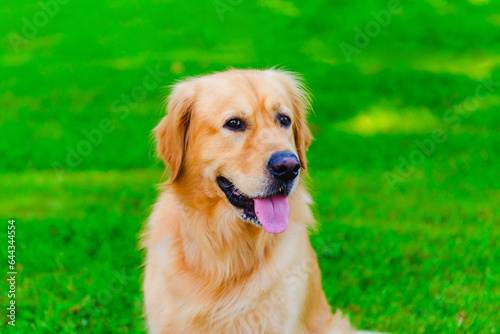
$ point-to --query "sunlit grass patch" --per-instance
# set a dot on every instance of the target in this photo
(475, 66)
(16, 59)
(494, 19)
(479, 2)
(68, 195)
(442, 7)
(282, 7)
(388, 118)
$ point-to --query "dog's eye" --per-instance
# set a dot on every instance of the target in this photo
(235, 124)
(285, 120)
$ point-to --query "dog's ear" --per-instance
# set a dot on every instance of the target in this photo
(172, 132)
(300, 100)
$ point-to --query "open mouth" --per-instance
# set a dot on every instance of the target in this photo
(270, 212)
(238, 199)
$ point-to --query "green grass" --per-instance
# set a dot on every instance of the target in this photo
(419, 255)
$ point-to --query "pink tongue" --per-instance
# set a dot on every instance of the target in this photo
(273, 213)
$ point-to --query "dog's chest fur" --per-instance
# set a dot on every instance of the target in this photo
(268, 300)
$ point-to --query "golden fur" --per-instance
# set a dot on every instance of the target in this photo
(207, 270)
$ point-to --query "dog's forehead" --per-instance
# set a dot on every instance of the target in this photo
(249, 92)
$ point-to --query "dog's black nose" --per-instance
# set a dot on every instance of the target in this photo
(284, 166)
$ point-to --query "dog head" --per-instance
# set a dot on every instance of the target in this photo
(239, 135)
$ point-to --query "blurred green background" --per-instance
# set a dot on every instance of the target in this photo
(404, 168)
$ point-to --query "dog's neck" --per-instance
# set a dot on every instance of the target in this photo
(220, 245)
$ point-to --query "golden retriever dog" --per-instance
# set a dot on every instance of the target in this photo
(227, 242)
